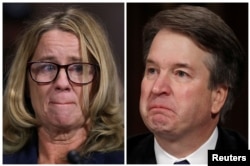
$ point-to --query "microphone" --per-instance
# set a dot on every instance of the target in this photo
(74, 157)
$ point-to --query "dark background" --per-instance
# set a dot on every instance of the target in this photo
(234, 14)
(17, 15)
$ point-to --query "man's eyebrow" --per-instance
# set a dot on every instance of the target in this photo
(150, 61)
(176, 65)
(181, 65)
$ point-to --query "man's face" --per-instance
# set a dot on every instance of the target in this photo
(175, 98)
(58, 104)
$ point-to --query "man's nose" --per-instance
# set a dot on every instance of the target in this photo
(162, 85)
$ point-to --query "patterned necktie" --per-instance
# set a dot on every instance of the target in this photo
(182, 162)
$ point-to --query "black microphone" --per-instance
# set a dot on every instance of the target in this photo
(74, 157)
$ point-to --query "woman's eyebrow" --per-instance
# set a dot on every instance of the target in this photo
(45, 58)
(54, 58)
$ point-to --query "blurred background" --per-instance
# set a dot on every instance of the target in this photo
(17, 15)
(234, 14)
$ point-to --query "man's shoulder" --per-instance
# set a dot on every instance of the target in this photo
(140, 149)
(141, 139)
(230, 140)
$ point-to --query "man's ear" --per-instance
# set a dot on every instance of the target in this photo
(219, 96)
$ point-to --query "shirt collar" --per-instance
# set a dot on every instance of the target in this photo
(199, 156)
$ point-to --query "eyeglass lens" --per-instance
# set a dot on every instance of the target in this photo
(44, 72)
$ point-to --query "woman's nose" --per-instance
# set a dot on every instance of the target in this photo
(62, 81)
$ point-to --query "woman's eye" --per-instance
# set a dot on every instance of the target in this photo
(76, 68)
(47, 68)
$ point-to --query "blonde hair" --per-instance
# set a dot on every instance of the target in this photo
(103, 106)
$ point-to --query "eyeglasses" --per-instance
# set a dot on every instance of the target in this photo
(78, 73)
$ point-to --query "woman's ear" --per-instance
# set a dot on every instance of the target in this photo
(219, 96)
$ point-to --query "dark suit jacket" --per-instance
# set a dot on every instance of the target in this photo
(140, 149)
(29, 155)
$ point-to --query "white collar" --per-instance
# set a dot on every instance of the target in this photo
(199, 156)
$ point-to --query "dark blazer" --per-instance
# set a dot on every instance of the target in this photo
(29, 155)
(140, 149)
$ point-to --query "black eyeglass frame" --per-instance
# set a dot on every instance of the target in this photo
(65, 67)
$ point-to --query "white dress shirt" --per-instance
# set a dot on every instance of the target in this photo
(200, 156)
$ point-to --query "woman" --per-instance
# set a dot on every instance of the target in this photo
(62, 95)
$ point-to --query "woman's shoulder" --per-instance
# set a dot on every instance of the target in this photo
(23, 156)
(26, 155)
(113, 157)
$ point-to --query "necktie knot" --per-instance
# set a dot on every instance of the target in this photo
(182, 162)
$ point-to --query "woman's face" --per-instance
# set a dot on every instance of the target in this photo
(58, 104)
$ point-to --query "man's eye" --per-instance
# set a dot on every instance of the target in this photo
(182, 73)
(150, 71)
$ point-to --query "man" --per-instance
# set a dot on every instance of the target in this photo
(193, 67)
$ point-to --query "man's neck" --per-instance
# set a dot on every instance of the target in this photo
(185, 144)
(199, 156)
(54, 146)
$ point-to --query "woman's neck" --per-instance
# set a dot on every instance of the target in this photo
(54, 145)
